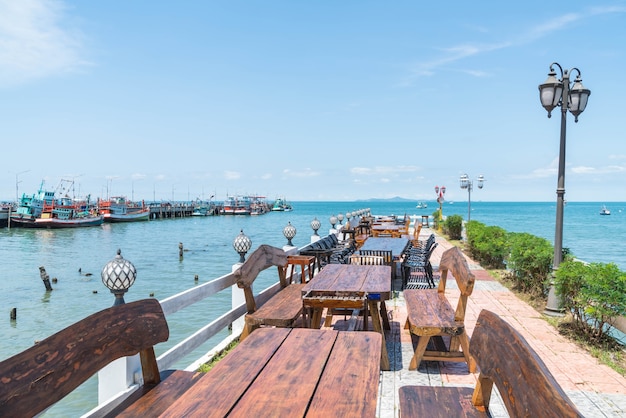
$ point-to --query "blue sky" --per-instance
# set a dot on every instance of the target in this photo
(319, 100)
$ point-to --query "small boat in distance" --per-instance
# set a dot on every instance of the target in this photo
(421, 205)
(281, 205)
(120, 209)
(604, 210)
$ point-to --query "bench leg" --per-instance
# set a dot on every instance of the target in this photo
(419, 352)
(471, 364)
(384, 357)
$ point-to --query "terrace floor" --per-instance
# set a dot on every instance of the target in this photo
(595, 389)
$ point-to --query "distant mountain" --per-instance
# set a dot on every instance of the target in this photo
(391, 199)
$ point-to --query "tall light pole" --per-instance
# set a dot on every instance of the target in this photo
(558, 92)
(440, 192)
(17, 182)
(468, 184)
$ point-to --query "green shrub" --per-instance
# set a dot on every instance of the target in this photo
(530, 262)
(594, 293)
(487, 244)
(453, 226)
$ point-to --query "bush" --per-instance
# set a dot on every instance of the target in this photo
(530, 262)
(453, 226)
(487, 244)
(595, 294)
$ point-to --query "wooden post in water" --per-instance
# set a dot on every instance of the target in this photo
(180, 250)
(13, 314)
(46, 279)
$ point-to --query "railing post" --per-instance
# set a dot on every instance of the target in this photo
(117, 377)
(238, 298)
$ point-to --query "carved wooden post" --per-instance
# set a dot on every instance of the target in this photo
(46, 279)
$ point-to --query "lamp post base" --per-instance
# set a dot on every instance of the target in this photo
(553, 306)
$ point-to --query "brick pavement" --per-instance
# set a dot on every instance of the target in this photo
(595, 389)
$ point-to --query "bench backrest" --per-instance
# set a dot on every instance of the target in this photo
(454, 262)
(40, 376)
(262, 258)
(367, 260)
(526, 386)
(385, 254)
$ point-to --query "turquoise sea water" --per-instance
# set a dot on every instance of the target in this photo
(153, 248)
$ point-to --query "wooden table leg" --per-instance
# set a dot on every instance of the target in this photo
(384, 357)
(385, 315)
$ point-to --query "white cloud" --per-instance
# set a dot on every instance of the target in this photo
(232, 175)
(365, 171)
(33, 42)
(307, 172)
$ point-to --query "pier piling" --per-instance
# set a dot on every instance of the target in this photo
(180, 250)
(13, 314)
(45, 278)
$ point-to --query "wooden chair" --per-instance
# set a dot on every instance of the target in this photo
(505, 358)
(431, 316)
(284, 308)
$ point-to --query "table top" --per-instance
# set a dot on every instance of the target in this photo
(387, 227)
(290, 372)
(350, 280)
(396, 245)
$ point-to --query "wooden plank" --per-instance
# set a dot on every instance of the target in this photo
(353, 367)
(216, 392)
(153, 401)
(428, 312)
(293, 372)
(281, 310)
(437, 402)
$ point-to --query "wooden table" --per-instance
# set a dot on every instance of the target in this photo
(286, 372)
(386, 228)
(395, 245)
(304, 261)
(347, 285)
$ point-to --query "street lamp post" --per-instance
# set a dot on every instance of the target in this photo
(466, 183)
(557, 92)
(440, 192)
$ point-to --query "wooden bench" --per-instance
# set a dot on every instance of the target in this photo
(431, 316)
(44, 374)
(505, 358)
(284, 308)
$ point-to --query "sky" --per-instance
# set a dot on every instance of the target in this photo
(313, 101)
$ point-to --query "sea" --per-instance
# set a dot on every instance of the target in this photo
(74, 258)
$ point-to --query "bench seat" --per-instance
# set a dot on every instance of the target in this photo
(438, 402)
(284, 308)
(430, 316)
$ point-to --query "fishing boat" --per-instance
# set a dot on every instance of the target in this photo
(120, 209)
(45, 209)
(604, 210)
(237, 205)
(281, 205)
(421, 205)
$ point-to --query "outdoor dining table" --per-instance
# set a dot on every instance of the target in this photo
(352, 286)
(289, 372)
(395, 245)
(386, 228)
